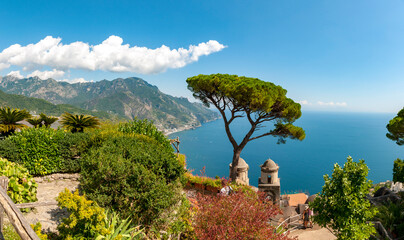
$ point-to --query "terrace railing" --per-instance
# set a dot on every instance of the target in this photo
(14, 215)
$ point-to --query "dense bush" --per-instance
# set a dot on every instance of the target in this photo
(342, 203)
(44, 151)
(133, 175)
(38, 149)
(22, 187)
(398, 171)
(237, 216)
(87, 220)
(71, 147)
(144, 127)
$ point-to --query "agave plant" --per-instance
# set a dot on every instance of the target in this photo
(47, 120)
(10, 119)
(77, 123)
(119, 228)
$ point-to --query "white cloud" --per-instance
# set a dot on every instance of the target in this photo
(75, 80)
(15, 74)
(338, 104)
(304, 102)
(111, 55)
(47, 74)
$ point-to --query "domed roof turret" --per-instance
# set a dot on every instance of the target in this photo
(269, 165)
(241, 164)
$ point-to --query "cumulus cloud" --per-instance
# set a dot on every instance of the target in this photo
(15, 74)
(47, 74)
(111, 55)
(338, 104)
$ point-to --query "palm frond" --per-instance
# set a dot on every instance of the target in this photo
(77, 123)
(10, 118)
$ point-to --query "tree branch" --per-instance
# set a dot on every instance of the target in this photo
(246, 139)
(226, 122)
(262, 135)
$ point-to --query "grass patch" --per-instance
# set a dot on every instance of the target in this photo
(10, 233)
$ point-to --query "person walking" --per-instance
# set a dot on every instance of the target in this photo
(306, 217)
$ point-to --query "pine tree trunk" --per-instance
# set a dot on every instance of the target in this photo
(234, 164)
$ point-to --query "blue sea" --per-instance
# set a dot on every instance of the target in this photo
(330, 139)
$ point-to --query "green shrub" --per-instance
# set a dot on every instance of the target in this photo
(132, 175)
(144, 127)
(398, 171)
(44, 151)
(38, 149)
(9, 150)
(38, 230)
(89, 221)
(22, 187)
(86, 220)
(71, 147)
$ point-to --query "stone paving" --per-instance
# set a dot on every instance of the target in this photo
(48, 189)
(317, 233)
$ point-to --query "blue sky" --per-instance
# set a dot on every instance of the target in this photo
(329, 55)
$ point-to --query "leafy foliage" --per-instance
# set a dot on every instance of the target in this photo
(10, 118)
(71, 149)
(89, 221)
(144, 127)
(38, 230)
(342, 203)
(77, 123)
(47, 120)
(396, 128)
(119, 228)
(35, 121)
(391, 215)
(258, 100)
(38, 149)
(22, 188)
(132, 175)
(42, 120)
(86, 220)
(398, 171)
(44, 151)
(237, 216)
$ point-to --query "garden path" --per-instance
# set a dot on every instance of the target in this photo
(49, 188)
(316, 232)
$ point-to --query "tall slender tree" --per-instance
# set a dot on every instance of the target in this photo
(10, 119)
(77, 123)
(257, 100)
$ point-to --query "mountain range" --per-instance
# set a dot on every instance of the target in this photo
(120, 98)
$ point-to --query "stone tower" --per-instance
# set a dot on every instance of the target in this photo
(269, 181)
(242, 172)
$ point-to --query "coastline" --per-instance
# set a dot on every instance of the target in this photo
(170, 131)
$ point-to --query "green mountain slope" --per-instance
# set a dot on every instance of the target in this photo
(36, 106)
(125, 98)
